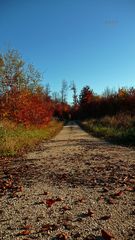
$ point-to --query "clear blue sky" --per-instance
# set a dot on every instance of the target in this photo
(89, 41)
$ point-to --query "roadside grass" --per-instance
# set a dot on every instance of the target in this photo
(16, 138)
(119, 129)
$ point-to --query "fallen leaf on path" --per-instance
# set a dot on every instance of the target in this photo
(90, 237)
(110, 201)
(105, 189)
(58, 199)
(90, 213)
(66, 208)
(67, 225)
(49, 202)
(106, 235)
(80, 200)
(20, 189)
(48, 227)
(45, 227)
(62, 236)
(118, 194)
(77, 235)
(45, 193)
(26, 227)
(25, 232)
(131, 189)
(105, 217)
(101, 199)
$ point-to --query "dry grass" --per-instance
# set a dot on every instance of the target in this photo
(14, 138)
(118, 129)
(119, 121)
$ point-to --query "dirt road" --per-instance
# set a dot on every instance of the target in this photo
(74, 186)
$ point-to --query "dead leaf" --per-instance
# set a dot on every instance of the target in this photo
(62, 236)
(118, 194)
(26, 227)
(80, 200)
(48, 227)
(50, 202)
(105, 217)
(128, 188)
(20, 189)
(90, 237)
(110, 201)
(25, 232)
(105, 189)
(90, 213)
(45, 193)
(58, 199)
(45, 227)
(66, 208)
(101, 199)
(77, 235)
(106, 235)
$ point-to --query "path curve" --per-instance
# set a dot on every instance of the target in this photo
(74, 185)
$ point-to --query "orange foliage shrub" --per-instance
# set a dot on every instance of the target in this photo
(27, 107)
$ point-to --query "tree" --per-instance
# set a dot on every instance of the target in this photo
(22, 98)
(86, 95)
(75, 99)
(15, 75)
(123, 92)
(64, 89)
(108, 92)
(56, 96)
(11, 72)
(47, 89)
(32, 78)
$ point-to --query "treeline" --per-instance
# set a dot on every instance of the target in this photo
(110, 103)
(22, 97)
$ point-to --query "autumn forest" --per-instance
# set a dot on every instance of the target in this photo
(25, 102)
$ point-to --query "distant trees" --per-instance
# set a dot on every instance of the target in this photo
(108, 92)
(61, 107)
(23, 99)
(85, 98)
(109, 103)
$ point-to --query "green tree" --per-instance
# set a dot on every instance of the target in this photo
(32, 78)
(11, 71)
(15, 75)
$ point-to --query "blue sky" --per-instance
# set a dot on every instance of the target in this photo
(90, 42)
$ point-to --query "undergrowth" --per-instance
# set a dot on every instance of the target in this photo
(16, 138)
(118, 129)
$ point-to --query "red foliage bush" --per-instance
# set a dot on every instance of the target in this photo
(122, 101)
(27, 107)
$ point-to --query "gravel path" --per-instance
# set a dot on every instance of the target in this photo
(74, 186)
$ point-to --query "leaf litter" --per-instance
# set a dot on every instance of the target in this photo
(80, 202)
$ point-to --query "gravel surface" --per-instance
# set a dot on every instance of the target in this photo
(74, 186)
